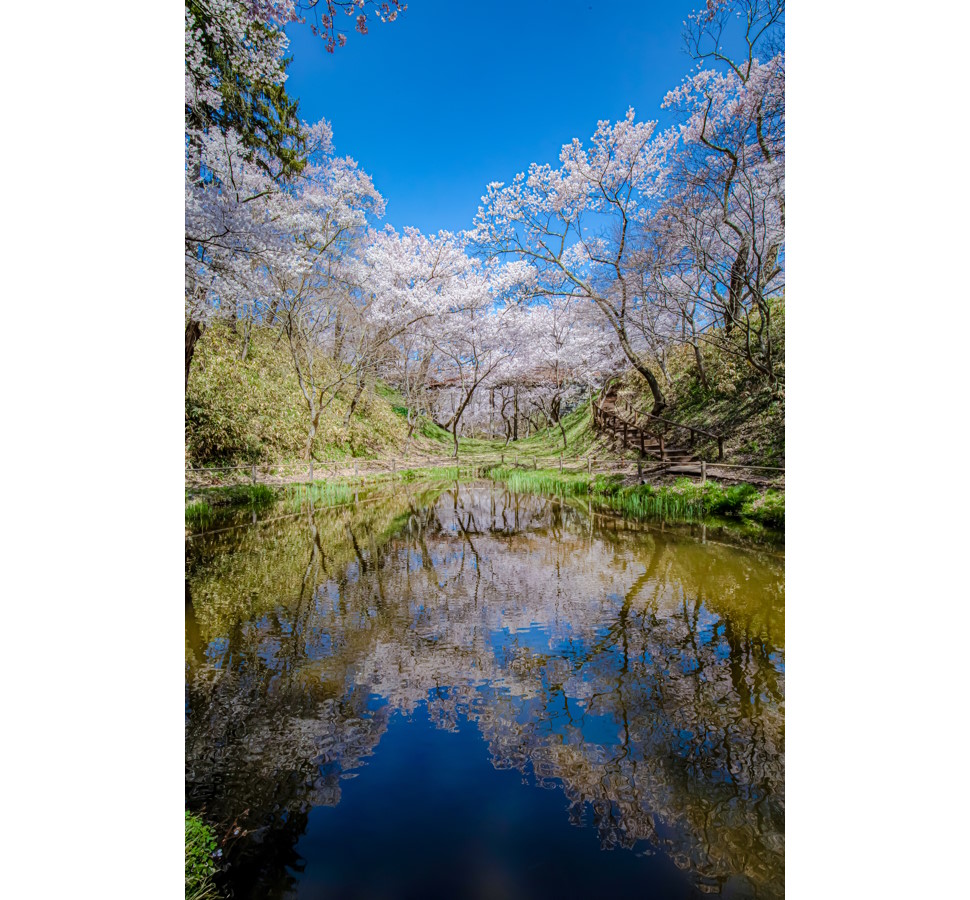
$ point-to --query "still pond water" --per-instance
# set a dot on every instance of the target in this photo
(460, 692)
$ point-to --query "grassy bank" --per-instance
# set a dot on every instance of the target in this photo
(206, 504)
(681, 501)
(687, 501)
(209, 506)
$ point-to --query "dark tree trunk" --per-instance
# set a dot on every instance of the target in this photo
(193, 331)
(701, 371)
(515, 413)
(353, 403)
(412, 423)
(312, 434)
(733, 308)
(659, 401)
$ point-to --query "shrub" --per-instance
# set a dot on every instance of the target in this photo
(729, 501)
(606, 484)
(200, 853)
(769, 510)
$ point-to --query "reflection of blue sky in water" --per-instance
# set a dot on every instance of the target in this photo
(402, 829)
(369, 703)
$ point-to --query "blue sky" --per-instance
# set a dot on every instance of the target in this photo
(456, 94)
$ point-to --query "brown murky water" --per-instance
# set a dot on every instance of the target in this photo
(377, 694)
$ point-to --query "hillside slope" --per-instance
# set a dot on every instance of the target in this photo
(243, 404)
(736, 403)
(240, 410)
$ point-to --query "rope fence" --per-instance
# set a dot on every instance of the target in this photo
(281, 473)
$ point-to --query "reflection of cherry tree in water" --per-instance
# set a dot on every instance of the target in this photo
(692, 756)
(640, 672)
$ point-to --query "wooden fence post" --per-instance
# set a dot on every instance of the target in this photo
(254, 474)
(560, 464)
(703, 471)
(720, 448)
(311, 470)
(663, 449)
(589, 467)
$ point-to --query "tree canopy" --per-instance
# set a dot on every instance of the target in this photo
(640, 241)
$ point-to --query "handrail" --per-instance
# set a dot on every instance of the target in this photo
(690, 428)
(661, 419)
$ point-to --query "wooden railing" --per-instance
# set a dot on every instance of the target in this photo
(692, 429)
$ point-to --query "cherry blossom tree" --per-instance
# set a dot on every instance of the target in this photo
(724, 220)
(475, 342)
(638, 241)
(573, 223)
(244, 142)
(670, 234)
(316, 299)
(416, 283)
(565, 350)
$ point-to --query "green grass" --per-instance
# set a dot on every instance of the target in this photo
(580, 436)
(540, 481)
(682, 501)
(325, 493)
(199, 514)
(221, 502)
(202, 513)
(769, 510)
(648, 502)
(687, 501)
(251, 495)
(200, 850)
(435, 473)
(434, 432)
